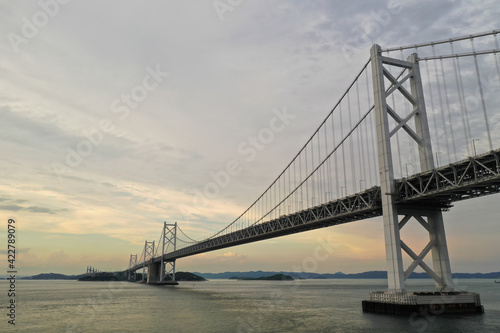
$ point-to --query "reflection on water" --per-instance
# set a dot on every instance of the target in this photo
(232, 306)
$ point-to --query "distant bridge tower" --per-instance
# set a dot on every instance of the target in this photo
(149, 253)
(430, 218)
(169, 238)
(163, 271)
(132, 276)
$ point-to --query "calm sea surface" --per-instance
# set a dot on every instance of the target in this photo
(228, 306)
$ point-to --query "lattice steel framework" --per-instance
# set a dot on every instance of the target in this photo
(149, 253)
(169, 238)
(351, 208)
(474, 177)
(132, 276)
(430, 219)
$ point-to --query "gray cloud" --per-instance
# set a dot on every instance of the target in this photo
(35, 209)
(31, 209)
(12, 208)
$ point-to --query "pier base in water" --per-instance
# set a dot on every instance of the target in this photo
(166, 283)
(423, 303)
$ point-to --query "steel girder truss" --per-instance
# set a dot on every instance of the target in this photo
(474, 177)
(355, 207)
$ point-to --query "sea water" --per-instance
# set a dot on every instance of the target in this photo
(229, 306)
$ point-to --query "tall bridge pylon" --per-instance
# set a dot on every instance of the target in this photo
(417, 127)
(132, 276)
(169, 239)
(161, 270)
(149, 253)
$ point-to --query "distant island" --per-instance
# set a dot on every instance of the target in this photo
(339, 275)
(275, 277)
(186, 276)
(106, 276)
(53, 276)
(120, 276)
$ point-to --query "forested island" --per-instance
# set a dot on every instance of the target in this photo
(120, 276)
(186, 276)
(339, 275)
(275, 277)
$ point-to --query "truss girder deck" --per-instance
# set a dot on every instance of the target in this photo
(439, 188)
(470, 178)
(356, 207)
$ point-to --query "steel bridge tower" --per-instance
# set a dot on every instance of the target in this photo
(161, 271)
(132, 275)
(149, 253)
(167, 273)
(430, 218)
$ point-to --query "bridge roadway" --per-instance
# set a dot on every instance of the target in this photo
(439, 188)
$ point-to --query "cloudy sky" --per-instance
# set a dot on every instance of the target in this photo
(114, 115)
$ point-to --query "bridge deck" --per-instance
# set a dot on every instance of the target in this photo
(470, 178)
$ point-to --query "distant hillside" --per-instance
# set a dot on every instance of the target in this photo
(106, 276)
(494, 275)
(186, 276)
(120, 276)
(339, 275)
(53, 276)
(259, 274)
(275, 277)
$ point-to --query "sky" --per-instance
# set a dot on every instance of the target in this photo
(115, 115)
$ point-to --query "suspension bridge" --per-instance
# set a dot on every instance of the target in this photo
(383, 150)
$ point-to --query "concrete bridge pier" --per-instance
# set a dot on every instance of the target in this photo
(155, 274)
